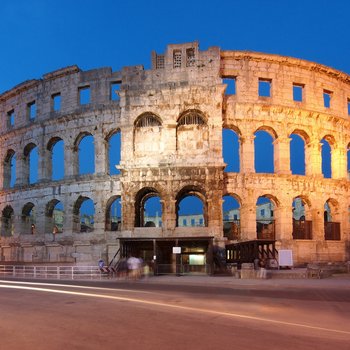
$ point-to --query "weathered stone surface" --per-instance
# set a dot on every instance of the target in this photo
(172, 156)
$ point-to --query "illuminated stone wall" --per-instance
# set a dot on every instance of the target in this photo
(171, 118)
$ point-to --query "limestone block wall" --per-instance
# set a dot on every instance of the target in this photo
(170, 119)
(246, 112)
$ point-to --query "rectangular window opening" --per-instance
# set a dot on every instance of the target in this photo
(265, 87)
(84, 95)
(56, 102)
(231, 85)
(31, 110)
(177, 58)
(11, 118)
(327, 96)
(115, 87)
(190, 57)
(348, 106)
(298, 92)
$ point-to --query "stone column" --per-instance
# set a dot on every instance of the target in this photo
(283, 222)
(282, 155)
(215, 222)
(317, 222)
(339, 163)
(70, 160)
(128, 219)
(169, 214)
(247, 154)
(313, 158)
(22, 170)
(248, 220)
(68, 217)
(100, 155)
(45, 165)
(99, 217)
(5, 172)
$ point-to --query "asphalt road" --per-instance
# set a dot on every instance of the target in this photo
(173, 314)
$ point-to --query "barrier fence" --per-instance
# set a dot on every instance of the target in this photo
(52, 272)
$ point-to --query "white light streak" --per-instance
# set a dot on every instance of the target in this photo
(14, 285)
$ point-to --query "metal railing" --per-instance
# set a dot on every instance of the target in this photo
(302, 229)
(332, 231)
(232, 229)
(52, 272)
(265, 229)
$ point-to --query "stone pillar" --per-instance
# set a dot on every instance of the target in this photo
(100, 155)
(99, 217)
(282, 155)
(71, 161)
(45, 165)
(248, 220)
(313, 158)
(68, 217)
(4, 172)
(22, 170)
(339, 162)
(317, 222)
(128, 219)
(247, 154)
(169, 214)
(283, 222)
(214, 209)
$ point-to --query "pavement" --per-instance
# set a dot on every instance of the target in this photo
(294, 278)
(341, 281)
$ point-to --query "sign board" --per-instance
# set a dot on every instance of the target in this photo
(285, 257)
(176, 250)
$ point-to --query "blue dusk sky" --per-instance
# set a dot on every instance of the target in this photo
(40, 36)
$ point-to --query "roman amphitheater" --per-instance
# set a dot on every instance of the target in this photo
(171, 121)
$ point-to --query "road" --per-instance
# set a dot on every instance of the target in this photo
(173, 314)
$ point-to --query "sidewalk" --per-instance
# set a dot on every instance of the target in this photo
(336, 281)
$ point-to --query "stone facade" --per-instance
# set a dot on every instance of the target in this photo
(170, 119)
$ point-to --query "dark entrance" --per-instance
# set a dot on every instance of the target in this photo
(195, 254)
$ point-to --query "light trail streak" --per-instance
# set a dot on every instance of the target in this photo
(73, 286)
(167, 305)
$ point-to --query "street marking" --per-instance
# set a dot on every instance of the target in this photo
(161, 304)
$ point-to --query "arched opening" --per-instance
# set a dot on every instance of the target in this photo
(54, 217)
(264, 152)
(326, 153)
(86, 154)
(114, 153)
(148, 208)
(297, 154)
(230, 150)
(302, 224)
(83, 211)
(331, 220)
(192, 135)
(56, 166)
(28, 219)
(114, 214)
(7, 218)
(31, 158)
(10, 169)
(147, 134)
(153, 212)
(190, 208)
(265, 222)
(231, 217)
